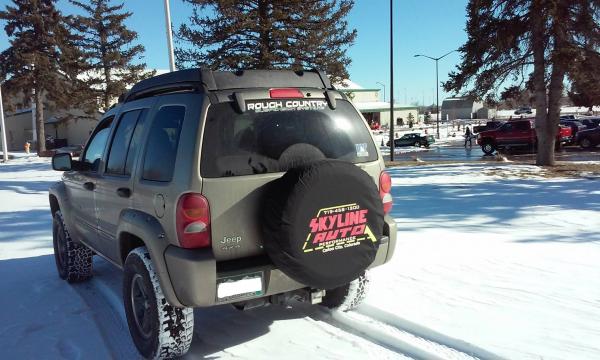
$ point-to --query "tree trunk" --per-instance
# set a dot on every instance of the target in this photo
(263, 61)
(39, 122)
(549, 129)
(545, 145)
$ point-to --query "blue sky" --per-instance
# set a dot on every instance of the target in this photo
(431, 27)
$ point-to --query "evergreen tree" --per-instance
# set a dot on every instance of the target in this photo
(585, 90)
(40, 58)
(541, 42)
(268, 34)
(111, 58)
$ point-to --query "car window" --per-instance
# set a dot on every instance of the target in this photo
(117, 155)
(236, 144)
(162, 143)
(96, 144)
(136, 140)
(506, 127)
(521, 126)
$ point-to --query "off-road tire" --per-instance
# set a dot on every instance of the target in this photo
(488, 148)
(585, 143)
(75, 262)
(347, 297)
(170, 328)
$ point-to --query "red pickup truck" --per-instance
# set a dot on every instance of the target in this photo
(517, 134)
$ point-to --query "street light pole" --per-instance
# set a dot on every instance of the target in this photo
(169, 36)
(437, 87)
(437, 99)
(392, 138)
(3, 125)
(382, 84)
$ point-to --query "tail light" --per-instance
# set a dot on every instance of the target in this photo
(193, 221)
(385, 188)
(285, 93)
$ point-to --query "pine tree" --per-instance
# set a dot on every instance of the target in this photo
(541, 42)
(40, 58)
(268, 34)
(112, 60)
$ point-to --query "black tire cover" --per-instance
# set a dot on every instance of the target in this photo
(323, 223)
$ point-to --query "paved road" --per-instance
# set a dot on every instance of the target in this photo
(456, 152)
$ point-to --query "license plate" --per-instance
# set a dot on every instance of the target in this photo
(239, 286)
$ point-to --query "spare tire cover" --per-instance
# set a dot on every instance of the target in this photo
(323, 223)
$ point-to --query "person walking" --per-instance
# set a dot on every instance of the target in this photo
(468, 136)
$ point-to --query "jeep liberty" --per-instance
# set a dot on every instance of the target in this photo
(209, 187)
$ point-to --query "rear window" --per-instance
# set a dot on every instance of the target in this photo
(238, 144)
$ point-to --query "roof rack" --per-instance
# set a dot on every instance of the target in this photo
(208, 80)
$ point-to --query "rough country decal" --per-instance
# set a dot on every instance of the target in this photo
(284, 105)
(337, 228)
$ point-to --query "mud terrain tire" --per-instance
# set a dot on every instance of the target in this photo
(73, 260)
(158, 329)
(347, 297)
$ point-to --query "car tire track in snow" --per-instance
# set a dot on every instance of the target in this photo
(377, 336)
(109, 315)
(388, 336)
(425, 333)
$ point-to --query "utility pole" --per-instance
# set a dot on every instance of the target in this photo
(169, 36)
(33, 122)
(437, 88)
(392, 138)
(382, 84)
(3, 125)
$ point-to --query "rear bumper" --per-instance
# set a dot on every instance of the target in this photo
(195, 276)
(567, 139)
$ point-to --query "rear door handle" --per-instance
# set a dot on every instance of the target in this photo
(124, 192)
(89, 186)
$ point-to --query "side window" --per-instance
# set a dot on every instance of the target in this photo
(96, 144)
(522, 126)
(119, 147)
(162, 142)
(135, 143)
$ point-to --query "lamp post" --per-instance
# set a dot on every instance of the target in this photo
(169, 36)
(392, 137)
(383, 85)
(3, 125)
(437, 87)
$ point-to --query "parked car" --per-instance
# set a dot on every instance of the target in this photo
(413, 139)
(523, 110)
(575, 126)
(589, 138)
(211, 188)
(590, 122)
(517, 134)
(74, 150)
(568, 117)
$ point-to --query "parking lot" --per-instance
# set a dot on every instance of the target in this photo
(453, 150)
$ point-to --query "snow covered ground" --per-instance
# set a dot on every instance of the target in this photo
(486, 259)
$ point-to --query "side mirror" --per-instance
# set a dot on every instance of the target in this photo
(62, 162)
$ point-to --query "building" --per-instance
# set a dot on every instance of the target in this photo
(464, 108)
(374, 110)
(72, 131)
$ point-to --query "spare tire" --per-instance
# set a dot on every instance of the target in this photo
(323, 223)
